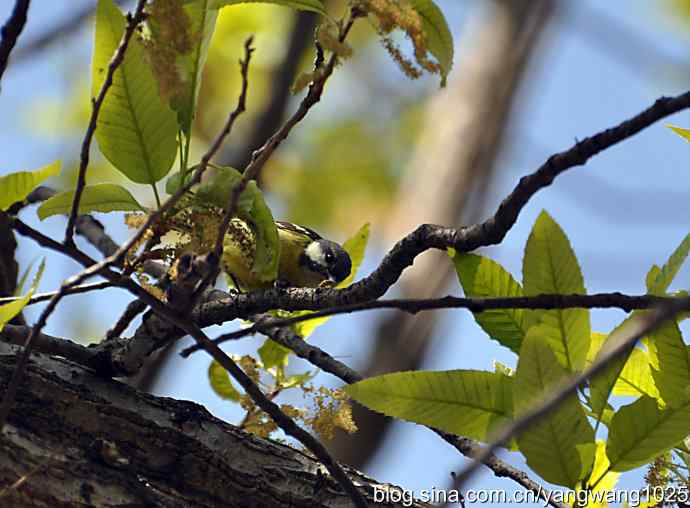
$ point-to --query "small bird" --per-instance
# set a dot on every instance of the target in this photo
(306, 259)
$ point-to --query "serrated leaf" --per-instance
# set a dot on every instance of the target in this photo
(220, 382)
(482, 277)
(464, 402)
(553, 445)
(641, 431)
(673, 375)
(16, 186)
(668, 272)
(10, 310)
(180, 59)
(355, 246)
(683, 133)
(550, 266)
(439, 39)
(101, 197)
(304, 5)
(136, 129)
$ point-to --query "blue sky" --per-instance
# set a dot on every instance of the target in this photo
(623, 211)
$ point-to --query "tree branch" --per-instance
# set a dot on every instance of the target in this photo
(620, 301)
(10, 32)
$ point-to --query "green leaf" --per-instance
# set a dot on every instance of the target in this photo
(667, 273)
(636, 378)
(220, 382)
(253, 210)
(273, 355)
(355, 247)
(673, 375)
(439, 38)
(550, 266)
(683, 133)
(482, 277)
(601, 386)
(553, 445)
(641, 431)
(464, 402)
(16, 186)
(101, 197)
(136, 129)
(179, 61)
(10, 310)
(297, 379)
(304, 5)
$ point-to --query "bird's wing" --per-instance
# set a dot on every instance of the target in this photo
(300, 230)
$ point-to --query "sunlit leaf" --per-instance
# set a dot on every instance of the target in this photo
(136, 129)
(101, 197)
(16, 186)
(273, 355)
(641, 431)
(220, 382)
(550, 266)
(636, 378)
(605, 480)
(305, 5)
(10, 310)
(553, 445)
(482, 277)
(683, 133)
(464, 402)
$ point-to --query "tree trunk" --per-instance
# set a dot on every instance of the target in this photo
(78, 440)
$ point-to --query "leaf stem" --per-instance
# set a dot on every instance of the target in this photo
(155, 193)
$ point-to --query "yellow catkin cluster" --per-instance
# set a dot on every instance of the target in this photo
(332, 410)
(400, 14)
(171, 29)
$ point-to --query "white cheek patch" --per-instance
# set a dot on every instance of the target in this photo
(316, 254)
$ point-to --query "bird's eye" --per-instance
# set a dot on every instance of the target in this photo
(329, 257)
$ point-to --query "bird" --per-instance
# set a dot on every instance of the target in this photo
(306, 258)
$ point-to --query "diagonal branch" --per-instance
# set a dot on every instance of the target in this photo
(119, 56)
(10, 32)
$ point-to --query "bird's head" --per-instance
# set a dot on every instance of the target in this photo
(328, 259)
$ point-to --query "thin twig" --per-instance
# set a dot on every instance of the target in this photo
(42, 297)
(639, 328)
(11, 30)
(115, 62)
(620, 301)
(239, 109)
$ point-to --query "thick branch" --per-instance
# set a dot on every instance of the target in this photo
(101, 443)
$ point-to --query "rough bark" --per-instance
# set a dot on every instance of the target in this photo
(75, 439)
